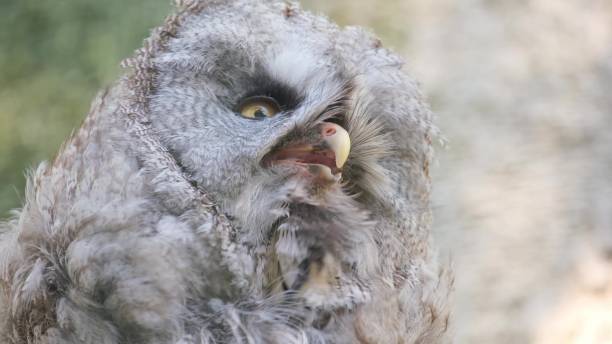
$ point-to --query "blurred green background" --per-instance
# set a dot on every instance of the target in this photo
(54, 57)
(522, 193)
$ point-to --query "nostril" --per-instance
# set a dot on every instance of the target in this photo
(328, 130)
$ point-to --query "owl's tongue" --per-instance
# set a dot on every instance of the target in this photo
(325, 158)
(307, 154)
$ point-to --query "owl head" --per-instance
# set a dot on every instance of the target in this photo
(248, 90)
(275, 112)
(280, 114)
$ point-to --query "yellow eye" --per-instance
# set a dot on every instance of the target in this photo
(259, 108)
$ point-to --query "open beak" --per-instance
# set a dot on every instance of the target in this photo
(325, 158)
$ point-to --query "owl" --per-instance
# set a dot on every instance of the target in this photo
(258, 175)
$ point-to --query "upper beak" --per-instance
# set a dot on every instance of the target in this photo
(338, 140)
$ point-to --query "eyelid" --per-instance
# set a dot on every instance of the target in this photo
(257, 98)
(262, 98)
(264, 85)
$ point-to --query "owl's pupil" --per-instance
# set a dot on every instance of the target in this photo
(260, 113)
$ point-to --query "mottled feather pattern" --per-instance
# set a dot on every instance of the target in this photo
(157, 222)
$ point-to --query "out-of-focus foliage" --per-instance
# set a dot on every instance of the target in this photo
(54, 57)
(522, 192)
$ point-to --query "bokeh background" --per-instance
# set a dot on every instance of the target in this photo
(522, 90)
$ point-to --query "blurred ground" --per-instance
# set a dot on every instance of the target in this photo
(522, 91)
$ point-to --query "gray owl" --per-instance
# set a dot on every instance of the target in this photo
(259, 175)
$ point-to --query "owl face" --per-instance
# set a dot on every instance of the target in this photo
(244, 79)
(278, 114)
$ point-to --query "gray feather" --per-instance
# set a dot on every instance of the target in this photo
(157, 223)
